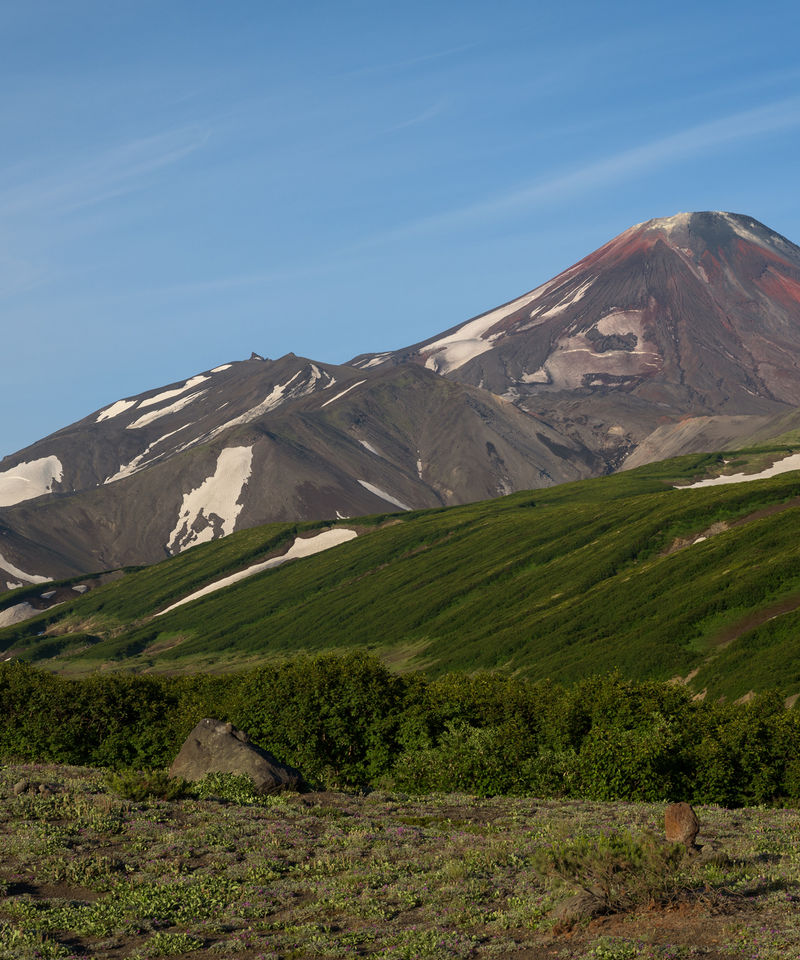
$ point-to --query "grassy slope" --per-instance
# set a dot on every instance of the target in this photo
(559, 582)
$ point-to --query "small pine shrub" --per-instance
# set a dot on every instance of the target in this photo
(619, 870)
(140, 785)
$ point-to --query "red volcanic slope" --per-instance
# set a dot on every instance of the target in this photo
(697, 314)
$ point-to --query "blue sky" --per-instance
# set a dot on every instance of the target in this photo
(184, 181)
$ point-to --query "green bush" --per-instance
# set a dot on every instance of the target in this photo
(334, 718)
(619, 871)
(233, 787)
(348, 722)
(140, 785)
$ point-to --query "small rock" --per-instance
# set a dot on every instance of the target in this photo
(681, 825)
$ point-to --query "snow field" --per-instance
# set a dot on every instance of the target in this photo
(168, 394)
(29, 479)
(115, 410)
(338, 395)
(218, 497)
(302, 547)
(792, 462)
(9, 568)
(143, 421)
(384, 496)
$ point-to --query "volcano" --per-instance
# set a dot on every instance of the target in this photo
(695, 315)
(681, 334)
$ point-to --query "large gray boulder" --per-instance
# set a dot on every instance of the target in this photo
(217, 747)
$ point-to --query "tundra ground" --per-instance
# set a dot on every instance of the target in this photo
(87, 873)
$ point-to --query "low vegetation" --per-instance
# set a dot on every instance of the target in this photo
(348, 722)
(622, 570)
(85, 872)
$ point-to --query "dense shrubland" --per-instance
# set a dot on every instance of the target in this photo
(348, 722)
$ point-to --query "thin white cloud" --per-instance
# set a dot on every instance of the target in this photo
(435, 110)
(694, 141)
(110, 173)
(397, 65)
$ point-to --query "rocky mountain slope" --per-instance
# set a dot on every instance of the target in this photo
(693, 316)
(680, 334)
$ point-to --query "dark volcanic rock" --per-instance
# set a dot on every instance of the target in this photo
(217, 747)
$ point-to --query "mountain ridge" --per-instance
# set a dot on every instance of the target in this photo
(681, 331)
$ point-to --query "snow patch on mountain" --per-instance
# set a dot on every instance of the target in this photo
(139, 462)
(789, 463)
(622, 322)
(221, 367)
(30, 479)
(115, 410)
(16, 614)
(741, 229)
(169, 394)
(9, 568)
(302, 547)
(368, 446)
(373, 361)
(210, 511)
(680, 221)
(538, 376)
(575, 295)
(338, 395)
(149, 418)
(472, 338)
(384, 496)
(279, 394)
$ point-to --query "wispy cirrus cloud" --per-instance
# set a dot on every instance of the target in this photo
(392, 66)
(106, 174)
(692, 142)
(433, 111)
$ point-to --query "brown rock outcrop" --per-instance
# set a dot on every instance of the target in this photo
(681, 824)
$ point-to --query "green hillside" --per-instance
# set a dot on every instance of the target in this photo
(577, 579)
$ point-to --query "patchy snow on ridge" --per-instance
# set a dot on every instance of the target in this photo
(19, 574)
(29, 479)
(210, 511)
(148, 418)
(138, 462)
(279, 394)
(374, 361)
(471, 340)
(169, 394)
(577, 294)
(221, 367)
(115, 410)
(368, 446)
(384, 496)
(16, 614)
(741, 230)
(792, 462)
(338, 395)
(302, 547)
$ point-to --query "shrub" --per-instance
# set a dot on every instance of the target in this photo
(140, 785)
(333, 717)
(233, 787)
(648, 762)
(619, 870)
